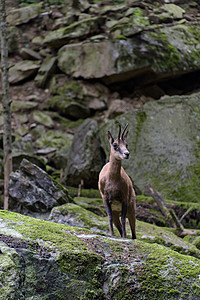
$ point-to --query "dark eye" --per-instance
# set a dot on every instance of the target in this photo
(126, 146)
(115, 146)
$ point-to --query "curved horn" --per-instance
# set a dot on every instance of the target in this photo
(119, 132)
(124, 131)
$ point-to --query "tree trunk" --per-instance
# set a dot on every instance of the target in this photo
(7, 137)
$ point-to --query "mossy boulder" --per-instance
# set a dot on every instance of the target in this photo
(75, 215)
(45, 260)
(164, 145)
(94, 205)
(68, 108)
(79, 214)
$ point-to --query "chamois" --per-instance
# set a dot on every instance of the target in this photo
(116, 187)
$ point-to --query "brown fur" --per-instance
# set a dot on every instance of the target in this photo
(116, 188)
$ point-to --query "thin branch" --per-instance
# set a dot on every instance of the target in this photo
(185, 214)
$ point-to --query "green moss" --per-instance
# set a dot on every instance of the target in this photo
(94, 205)
(120, 37)
(70, 89)
(141, 118)
(34, 229)
(80, 265)
(188, 191)
(82, 216)
(126, 269)
(167, 56)
(156, 270)
(88, 193)
(139, 17)
(55, 139)
(141, 198)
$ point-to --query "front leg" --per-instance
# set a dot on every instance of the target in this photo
(123, 219)
(109, 213)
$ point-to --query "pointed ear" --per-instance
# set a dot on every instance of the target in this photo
(111, 140)
(125, 135)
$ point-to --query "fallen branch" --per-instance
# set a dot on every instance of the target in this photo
(161, 204)
(185, 214)
(176, 220)
(169, 214)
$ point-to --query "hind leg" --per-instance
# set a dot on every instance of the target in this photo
(123, 219)
(132, 222)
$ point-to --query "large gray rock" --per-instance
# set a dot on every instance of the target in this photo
(23, 70)
(44, 260)
(33, 190)
(164, 145)
(157, 52)
(23, 15)
(86, 157)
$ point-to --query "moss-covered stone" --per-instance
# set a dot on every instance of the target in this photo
(78, 263)
(68, 108)
(43, 118)
(164, 143)
(23, 105)
(95, 205)
(75, 215)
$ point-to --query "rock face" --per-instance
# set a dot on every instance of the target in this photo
(86, 157)
(33, 190)
(158, 51)
(44, 260)
(90, 59)
(164, 145)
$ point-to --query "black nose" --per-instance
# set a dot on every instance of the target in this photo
(126, 155)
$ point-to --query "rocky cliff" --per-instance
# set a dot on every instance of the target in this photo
(99, 60)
